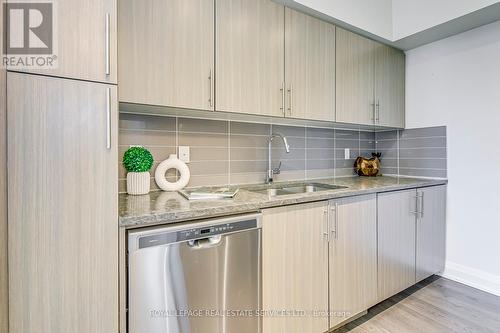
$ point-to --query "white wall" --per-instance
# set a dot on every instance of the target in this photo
(456, 82)
(411, 16)
(372, 16)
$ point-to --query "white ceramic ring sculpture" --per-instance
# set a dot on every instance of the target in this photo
(172, 163)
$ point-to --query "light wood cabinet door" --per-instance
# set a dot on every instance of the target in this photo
(353, 257)
(63, 232)
(295, 267)
(167, 53)
(390, 86)
(431, 231)
(84, 47)
(355, 78)
(396, 242)
(250, 56)
(309, 67)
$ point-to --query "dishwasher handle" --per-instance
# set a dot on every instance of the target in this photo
(205, 243)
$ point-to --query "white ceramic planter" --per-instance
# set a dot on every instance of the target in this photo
(138, 183)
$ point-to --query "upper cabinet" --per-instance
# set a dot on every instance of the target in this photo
(309, 67)
(370, 82)
(250, 57)
(85, 41)
(167, 53)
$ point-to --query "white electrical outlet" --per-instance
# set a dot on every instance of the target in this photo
(184, 154)
(347, 153)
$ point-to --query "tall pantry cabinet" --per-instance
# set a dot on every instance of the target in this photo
(62, 187)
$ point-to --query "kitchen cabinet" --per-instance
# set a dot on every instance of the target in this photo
(4, 296)
(85, 41)
(396, 242)
(309, 67)
(250, 56)
(295, 267)
(370, 82)
(431, 231)
(62, 207)
(167, 53)
(353, 257)
(389, 86)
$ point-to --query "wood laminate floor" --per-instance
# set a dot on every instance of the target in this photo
(434, 305)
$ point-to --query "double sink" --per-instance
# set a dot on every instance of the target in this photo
(288, 189)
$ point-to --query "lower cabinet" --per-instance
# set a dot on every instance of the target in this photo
(396, 242)
(353, 257)
(431, 231)
(295, 268)
(411, 237)
(63, 205)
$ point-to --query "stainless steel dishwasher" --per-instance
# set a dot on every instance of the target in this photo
(201, 277)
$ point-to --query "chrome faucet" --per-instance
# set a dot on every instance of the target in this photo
(270, 171)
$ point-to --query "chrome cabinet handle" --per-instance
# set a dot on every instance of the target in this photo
(108, 118)
(416, 212)
(210, 102)
(335, 212)
(422, 205)
(290, 106)
(282, 90)
(373, 106)
(326, 232)
(377, 112)
(108, 42)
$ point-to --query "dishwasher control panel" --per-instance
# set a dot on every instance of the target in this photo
(165, 238)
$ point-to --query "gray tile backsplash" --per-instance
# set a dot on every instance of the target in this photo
(414, 152)
(227, 152)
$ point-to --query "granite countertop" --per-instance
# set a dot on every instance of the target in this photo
(171, 207)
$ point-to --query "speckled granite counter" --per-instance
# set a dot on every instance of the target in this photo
(167, 207)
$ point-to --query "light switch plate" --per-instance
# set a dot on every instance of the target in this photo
(347, 153)
(184, 154)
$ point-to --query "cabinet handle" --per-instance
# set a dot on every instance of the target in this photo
(107, 52)
(210, 88)
(335, 211)
(373, 106)
(282, 90)
(108, 118)
(416, 212)
(377, 112)
(290, 106)
(422, 205)
(326, 232)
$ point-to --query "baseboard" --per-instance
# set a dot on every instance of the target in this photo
(472, 277)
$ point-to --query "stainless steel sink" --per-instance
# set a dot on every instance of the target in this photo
(288, 189)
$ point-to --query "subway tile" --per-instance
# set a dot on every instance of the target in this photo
(363, 144)
(250, 129)
(320, 164)
(295, 154)
(388, 144)
(389, 162)
(211, 180)
(144, 122)
(318, 154)
(369, 136)
(324, 133)
(343, 144)
(388, 171)
(248, 178)
(346, 135)
(209, 154)
(328, 143)
(290, 165)
(423, 163)
(422, 143)
(386, 135)
(211, 168)
(388, 153)
(340, 154)
(286, 175)
(146, 138)
(347, 172)
(366, 153)
(249, 166)
(203, 140)
(202, 126)
(289, 130)
(423, 132)
(249, 154)
(320, 173)
(342, 164)
(251, 141)
(423, 153)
